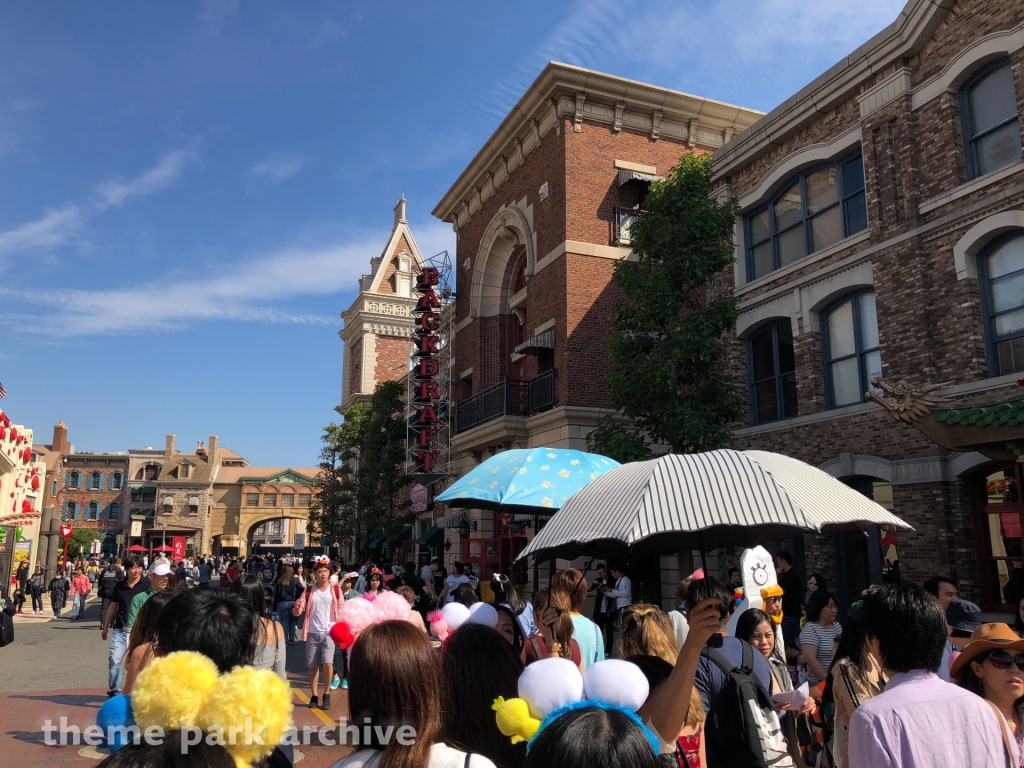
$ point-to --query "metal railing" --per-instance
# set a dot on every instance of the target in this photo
(625, 218)
(509, 397)
(542, 392)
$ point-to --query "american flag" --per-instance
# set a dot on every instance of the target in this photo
(3, 392)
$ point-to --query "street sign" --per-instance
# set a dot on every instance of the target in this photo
(65, 531)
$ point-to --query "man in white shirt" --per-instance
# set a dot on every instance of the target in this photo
(453, 582)
(320, 602)
(621, 592)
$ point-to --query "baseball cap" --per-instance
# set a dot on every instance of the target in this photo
(963, 615)
(160, 568)
(435, 560)
(351, 575)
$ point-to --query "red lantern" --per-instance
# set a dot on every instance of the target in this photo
(3, 433)
(26, 507)
(14, 433)
(35, 482)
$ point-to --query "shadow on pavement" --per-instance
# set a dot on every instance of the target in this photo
(66, 699)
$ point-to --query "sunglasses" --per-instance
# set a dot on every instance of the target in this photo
(1003, 659)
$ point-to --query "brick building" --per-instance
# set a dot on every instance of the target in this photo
(882, 234)
(21, 499)
(542, 214)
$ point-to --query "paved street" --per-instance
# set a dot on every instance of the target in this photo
(58, 668)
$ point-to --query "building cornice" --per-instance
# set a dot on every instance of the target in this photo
(903, 38)
(586, 96)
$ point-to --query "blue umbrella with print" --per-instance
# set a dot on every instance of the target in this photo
(530, 480)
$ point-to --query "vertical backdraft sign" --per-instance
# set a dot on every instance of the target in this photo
(430, 373)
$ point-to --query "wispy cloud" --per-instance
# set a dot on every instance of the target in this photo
(54, 228)
(267, 288)
(162, 175)
(277, 167)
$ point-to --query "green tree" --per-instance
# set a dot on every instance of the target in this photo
(668, 333)
(362, 471)
(81, 542)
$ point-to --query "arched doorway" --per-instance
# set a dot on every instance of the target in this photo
(273, 533)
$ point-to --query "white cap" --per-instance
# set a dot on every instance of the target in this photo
(160, 568)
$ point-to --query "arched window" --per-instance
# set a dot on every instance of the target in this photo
(991, 124)
(114, 511)
(116, 481)
(95, 481)
(816, 209)
(93, 511)
(849, 337)
(75, 480)
(772, 369)
(1001, 274)
(72, 510)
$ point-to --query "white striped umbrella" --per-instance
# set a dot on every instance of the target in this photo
(693, 501)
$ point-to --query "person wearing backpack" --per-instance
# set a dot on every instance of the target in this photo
(742, 727)
(108, 580)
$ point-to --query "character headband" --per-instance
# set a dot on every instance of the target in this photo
(321, 560)
(359, 613)
(214, 703)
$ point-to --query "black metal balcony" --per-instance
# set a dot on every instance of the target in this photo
(625, 218)
(508, 397)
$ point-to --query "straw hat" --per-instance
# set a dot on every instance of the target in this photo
(986, 638)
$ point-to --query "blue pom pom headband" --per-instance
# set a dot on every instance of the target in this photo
(583, 704)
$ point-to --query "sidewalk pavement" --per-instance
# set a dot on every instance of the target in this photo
(47, 615)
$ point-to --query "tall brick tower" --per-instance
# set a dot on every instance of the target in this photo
(379, 324)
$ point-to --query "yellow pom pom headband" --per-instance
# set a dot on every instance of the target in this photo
(248, 710)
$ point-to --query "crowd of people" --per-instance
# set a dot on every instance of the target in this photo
(911, 678)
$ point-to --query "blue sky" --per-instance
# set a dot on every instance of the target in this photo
(190, 190)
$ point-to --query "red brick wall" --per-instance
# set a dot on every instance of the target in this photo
(392, 358)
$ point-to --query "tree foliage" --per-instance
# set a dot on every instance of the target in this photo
(362, 471)
(667, 338)
(81, 542)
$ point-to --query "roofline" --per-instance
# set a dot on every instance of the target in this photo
(558, 79)
(904, 37)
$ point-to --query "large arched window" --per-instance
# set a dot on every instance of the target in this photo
(772, 369)
(991, 124)
(849, 337)
(1001, 274)
(814, 210)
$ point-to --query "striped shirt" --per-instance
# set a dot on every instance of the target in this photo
(822, 638)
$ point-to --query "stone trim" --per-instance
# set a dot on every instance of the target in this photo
(544, 326)
(466, 373)
(795, 161)
(967, 248)
(982, 385)
(971, 187)
(811, 418)
(885, 92)
(579, 248)
(963, 65)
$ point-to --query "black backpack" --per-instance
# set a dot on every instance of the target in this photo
(746, 730)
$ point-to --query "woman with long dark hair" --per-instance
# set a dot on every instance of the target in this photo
(756, 627)
(508, 627)
(374, 583)
(554, 637)
(478, 666)
(142, 640)
(270, 653)
(395, 680)
(505, 594)
(853, 678)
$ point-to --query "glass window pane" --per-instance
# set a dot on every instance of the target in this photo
(991, 100)
(1011, 356)
(1008, 292)
(759, 226)
(1009, 323)
(763, 263)
(999, 148)
(856, 214)
(868, 321)
(1001, 487)
(840, 331)
(1007, 258)
(767, 401)
(845, 382)
(789, 409)
(822, 189)
(788, 208)
(826, 228)
(792, 246)
(787, 361)
(853, 176)
(762, 355)
(872, 367)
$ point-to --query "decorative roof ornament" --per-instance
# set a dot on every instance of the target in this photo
(904, 401)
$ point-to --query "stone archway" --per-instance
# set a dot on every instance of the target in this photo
(508, 237)
(249, 523)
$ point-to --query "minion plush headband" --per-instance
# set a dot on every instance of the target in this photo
(551, 687)
(247, 710)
